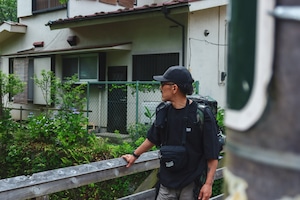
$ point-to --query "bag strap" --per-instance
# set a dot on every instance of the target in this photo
(185, 118)
(184, 131)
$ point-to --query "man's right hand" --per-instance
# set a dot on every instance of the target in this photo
(130, 159)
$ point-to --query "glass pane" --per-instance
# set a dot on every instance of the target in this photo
(88, 68)
(70, 67)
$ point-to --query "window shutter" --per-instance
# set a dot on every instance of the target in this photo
(126, 3)
(20, 69)
(112, 2)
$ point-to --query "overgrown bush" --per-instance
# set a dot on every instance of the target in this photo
(59, 138)
(138, 130)
(220, 119)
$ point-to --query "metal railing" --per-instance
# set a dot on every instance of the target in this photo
(48, 182)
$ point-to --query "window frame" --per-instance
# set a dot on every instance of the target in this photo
(78, 56)
(152, 64)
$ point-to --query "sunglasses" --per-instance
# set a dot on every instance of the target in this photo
(166, 83)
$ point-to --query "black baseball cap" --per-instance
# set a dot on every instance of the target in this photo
(175, 74)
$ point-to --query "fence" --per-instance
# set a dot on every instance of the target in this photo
(48, 182)
(117, 105)
(114, 106)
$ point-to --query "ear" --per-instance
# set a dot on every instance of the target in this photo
(174, 88)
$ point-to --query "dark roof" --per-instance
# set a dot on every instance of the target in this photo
(122, 12)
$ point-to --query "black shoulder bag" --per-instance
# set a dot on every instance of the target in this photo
(175, 157)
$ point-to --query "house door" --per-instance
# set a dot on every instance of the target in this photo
(117, 100)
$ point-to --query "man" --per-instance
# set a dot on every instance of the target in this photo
(201, 146)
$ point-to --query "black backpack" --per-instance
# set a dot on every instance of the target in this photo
(205, 105)
(212, 108)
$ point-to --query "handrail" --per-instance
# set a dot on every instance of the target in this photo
(48, 182)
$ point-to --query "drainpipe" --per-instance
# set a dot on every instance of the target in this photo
(166, 12)
(68, 11)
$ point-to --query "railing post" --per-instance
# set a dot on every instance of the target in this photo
(21, 114)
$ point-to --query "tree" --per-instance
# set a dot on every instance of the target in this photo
(9, 84)
(8, 10)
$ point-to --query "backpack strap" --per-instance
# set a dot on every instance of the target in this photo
(162, 118)
(201, 112)
(161, 114)
(185, 118)
(184, 128)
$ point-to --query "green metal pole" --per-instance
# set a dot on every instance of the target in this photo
(88, 99)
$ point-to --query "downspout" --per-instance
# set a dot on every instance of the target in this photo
(166, 12)
(68, 11)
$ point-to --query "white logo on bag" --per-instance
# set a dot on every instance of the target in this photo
(170, 164)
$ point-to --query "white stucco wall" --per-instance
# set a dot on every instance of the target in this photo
(147, 36)
(24, 8)
(206, 54)
(36, 32)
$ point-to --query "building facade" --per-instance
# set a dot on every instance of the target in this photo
(110, 40)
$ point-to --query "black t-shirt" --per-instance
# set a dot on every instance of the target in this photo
(201, 145)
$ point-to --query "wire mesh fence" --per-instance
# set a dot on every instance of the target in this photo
(111, 106)
(115, 106)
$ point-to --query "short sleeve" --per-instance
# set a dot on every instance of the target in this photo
(153, 136)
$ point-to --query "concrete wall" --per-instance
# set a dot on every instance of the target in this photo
(206, 57)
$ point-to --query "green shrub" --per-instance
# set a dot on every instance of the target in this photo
(220, 119)
(138, 130)
(57, 139)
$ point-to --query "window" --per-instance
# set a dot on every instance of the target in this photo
(46, 5)
(25, 69)
(145, 66)
(85, 66)
(19, 67)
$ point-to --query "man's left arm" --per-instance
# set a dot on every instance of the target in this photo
(206, 190)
